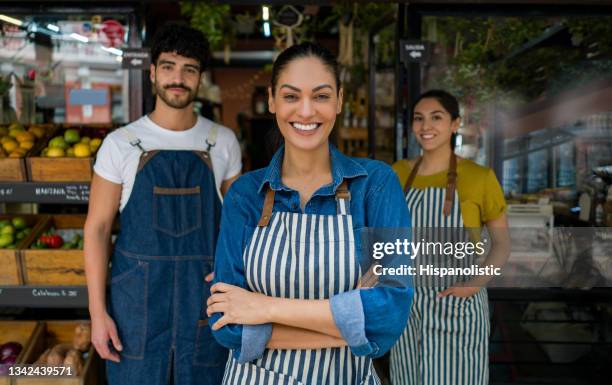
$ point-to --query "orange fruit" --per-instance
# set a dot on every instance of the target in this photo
(39, 132)
(10, 145)
(27, 145)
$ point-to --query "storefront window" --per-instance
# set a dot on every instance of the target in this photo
(66, 69)
(540, 85)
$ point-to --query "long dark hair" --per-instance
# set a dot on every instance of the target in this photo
(448, 102)
(295, 52)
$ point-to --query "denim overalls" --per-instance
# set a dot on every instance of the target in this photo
(166, 246)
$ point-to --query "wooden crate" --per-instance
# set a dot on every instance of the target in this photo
(11, 271)
(13, 170)
(42, 169)
(23, 332)
(54, 266)
(59, 169)
(52, 333)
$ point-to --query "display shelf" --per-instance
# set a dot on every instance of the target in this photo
(43, 296)
(32, 192)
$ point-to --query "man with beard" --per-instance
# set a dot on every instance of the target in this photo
(166, 174)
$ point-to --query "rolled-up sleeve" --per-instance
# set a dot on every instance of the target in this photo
(372, 319)
(246, 341)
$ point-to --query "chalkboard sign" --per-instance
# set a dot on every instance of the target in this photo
(44, 296)
(44, 192)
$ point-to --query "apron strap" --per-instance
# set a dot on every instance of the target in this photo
(343, 199)
(413, 174)
(451, 182)
(211, 141)
(266, 212)
(134, 141)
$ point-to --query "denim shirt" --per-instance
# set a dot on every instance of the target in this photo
(370, 320)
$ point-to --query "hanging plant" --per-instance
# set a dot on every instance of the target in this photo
(214, 20)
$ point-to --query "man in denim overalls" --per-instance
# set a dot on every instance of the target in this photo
(166, 173)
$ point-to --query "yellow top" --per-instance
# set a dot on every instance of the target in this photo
(480, 194)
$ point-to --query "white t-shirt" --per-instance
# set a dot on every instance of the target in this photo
(117, 160)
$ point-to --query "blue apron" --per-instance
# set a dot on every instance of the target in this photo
(306, 256)
(165, 248)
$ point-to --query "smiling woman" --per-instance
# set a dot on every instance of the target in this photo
(288, 299)
(451, 193)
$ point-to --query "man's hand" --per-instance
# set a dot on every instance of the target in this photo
(103, 329)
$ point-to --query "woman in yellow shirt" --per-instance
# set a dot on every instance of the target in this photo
(446, 339)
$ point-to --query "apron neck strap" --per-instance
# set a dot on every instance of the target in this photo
(343, 199)
(134, 141)
(211, 140)
(266, 212)
(451, 182)
(413, 174)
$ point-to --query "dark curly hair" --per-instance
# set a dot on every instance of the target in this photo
(183, 40)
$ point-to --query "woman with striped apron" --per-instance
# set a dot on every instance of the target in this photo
(290, 299)
(446, 338)
(305, 256)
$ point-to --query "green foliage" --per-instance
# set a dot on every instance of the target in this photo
(214, 20)
(487, 56)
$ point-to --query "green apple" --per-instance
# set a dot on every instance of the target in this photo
(8, 229)
(5, 240)
(19, 223)
(72, 136)
(58, 142)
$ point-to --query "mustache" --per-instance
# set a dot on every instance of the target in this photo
(177, 86)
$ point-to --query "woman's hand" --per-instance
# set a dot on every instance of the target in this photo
(459, 291)
(239, 306)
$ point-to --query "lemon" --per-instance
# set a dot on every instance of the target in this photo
(85, 139)
(55, 152)
(15, 131)
(82, 150)
(95, 142)
(16, 126)
(70, 152)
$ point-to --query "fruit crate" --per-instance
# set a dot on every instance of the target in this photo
(54, 266)
(51, 165)
(59, 332)
(22, 332)
(14, 169)
(11, 272)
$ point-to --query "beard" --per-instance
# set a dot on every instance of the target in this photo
(176, 101)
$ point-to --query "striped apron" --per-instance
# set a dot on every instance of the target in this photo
(305, 256)
(446, 340)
